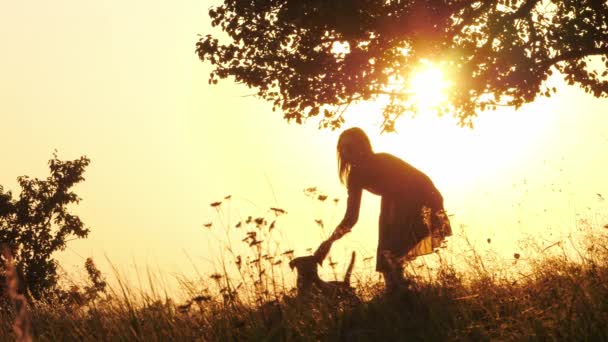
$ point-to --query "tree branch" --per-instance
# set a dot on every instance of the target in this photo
(576, 55)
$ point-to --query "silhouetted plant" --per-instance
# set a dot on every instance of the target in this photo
(38, 223)
(97, 284)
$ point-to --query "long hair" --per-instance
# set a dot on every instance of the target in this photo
(357, 143)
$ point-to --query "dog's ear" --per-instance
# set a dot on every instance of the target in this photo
(292, 264)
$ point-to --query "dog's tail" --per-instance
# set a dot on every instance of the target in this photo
(349, 270)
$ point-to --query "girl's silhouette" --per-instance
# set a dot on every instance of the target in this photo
(412, 217)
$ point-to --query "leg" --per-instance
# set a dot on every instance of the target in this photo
(390, 283)
(392, 272)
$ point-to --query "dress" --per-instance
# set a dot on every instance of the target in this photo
(412, 218)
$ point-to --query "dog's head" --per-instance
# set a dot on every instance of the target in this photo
(306, 268)
(304, 264)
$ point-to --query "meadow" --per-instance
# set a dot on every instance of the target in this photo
(544, 292)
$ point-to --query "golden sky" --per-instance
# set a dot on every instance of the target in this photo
(119, 81)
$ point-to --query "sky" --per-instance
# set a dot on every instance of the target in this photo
(119, 82)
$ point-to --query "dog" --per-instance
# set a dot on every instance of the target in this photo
(309, 284)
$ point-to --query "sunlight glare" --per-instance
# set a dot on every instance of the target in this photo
(428, 86)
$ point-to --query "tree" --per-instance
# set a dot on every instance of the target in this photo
(309, 57)
(38, 223)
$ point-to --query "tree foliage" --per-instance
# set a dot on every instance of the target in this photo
(38, 223)
(315, 57)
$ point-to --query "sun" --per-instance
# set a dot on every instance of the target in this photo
(428, 86)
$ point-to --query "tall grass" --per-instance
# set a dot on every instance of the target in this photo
(18, 303)
(556, 292)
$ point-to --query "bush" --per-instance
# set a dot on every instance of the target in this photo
(38, 223)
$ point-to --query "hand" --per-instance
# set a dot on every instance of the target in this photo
(321, 252)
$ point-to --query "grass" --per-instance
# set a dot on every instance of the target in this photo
(561, 295)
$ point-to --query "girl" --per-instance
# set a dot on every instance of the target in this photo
(412, 218)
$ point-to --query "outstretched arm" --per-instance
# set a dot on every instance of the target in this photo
(349, 220)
